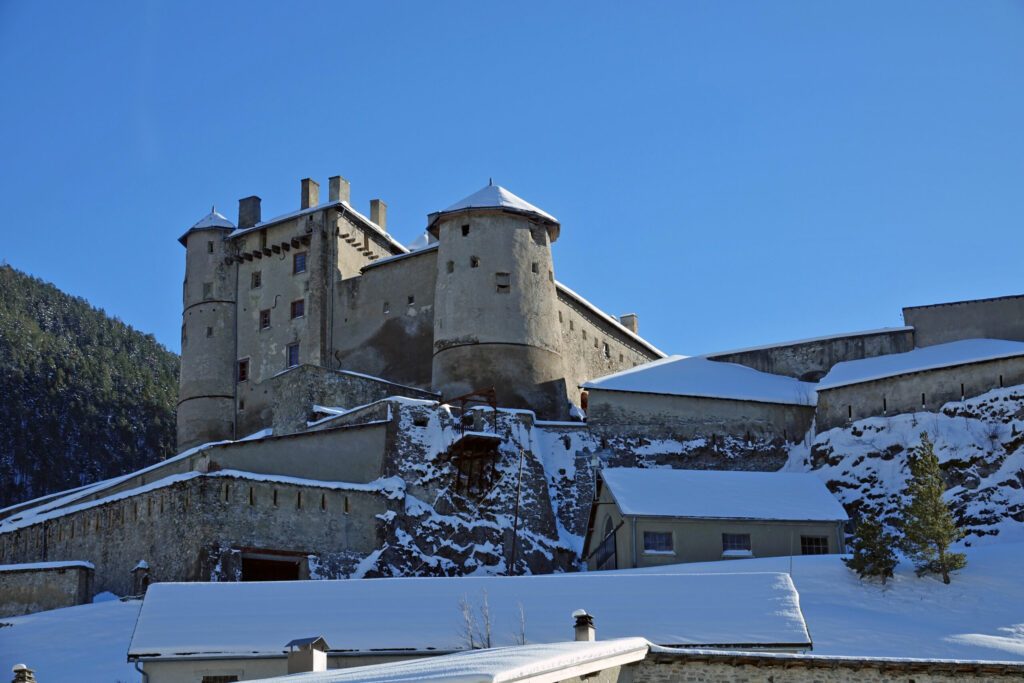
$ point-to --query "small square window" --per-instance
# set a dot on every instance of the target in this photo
(293, 355)
(451, 266)
(535, 267)
(814, 545)
(256, 280)
(299, 263)
(474, 261)
(465, 230)
(412, 299)
(736, 543)
(207, 290)
(265, 319)
(209, 247)
(243, 370)
(503, 282)
(298, 308)
(658, 542)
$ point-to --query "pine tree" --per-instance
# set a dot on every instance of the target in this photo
(928, 525)
(874, 552)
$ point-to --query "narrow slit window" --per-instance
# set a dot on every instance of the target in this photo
(252, 497)
(849, 412)
(323, 501)
(451, 266)
(209, 247)
(275, 497)
(535, 267)
(885, 405)
(209, 331)
(387, 308)
(298, 500)
(922, 401)
(207, 290)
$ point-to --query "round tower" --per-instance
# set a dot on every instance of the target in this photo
(495, 305)
(206, 390)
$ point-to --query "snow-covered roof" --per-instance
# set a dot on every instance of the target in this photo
(934, 357)
(212, 220)
(181, 619)
(720, 494)
(32, 566)
(497, 197)
(698, 376)
(536, 663)
(813, 340)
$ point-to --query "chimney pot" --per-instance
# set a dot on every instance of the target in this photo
(310, 193)
(631, 322)
(249, 212)
(379, 213)
(339, 189)
(584, 626)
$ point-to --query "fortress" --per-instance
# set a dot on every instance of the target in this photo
(352, 407)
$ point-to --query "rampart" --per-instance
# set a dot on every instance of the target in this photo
(29, 588)
(997, 318)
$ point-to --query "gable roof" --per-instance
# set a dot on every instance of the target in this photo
(951, 354)
(536, 663)
(697, 376)
(721, 494)
(423, 614)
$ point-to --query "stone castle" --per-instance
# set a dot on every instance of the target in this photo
(477, 308)
(350, 407)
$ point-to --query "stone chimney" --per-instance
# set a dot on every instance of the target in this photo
(23, 674)
(310, 193)
(338, 189)
(307, 654)
(584, 626)
(379, 213)
(249, 212)
(631, 322)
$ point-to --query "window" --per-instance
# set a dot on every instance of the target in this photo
(293, 355)
(256, 279)
(265, 319)
(209, 247)
(736, 544)
(535, 267)
(263, 239)
(560, 316)
(298, 308)
(299, 263)
(607, 350)
(814, 545)
(209, 331)
(412, 299)
(387, 308)
(465, 230)
(658, 542)
(474, 261)
(502, 283)
(606, 551)
(207, 290)
(451, 266)
(243, 370)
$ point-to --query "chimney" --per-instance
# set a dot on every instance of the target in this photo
(248, 212)
(310, 193)
(307, 654)
(584, 626)
(379, 213)
(339, 190)
(631, 322)
(23, 674)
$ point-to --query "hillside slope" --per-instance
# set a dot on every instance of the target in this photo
(83, 396)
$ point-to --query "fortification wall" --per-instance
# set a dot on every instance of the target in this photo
(591, 346)
(26, 589)
(734, 667)
(999, 318)
(914, 392)
(196, 529)
(658, 416)
(384, 320)
(811, 360)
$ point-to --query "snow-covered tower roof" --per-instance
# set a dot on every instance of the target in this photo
(497, 197)
(211, 221)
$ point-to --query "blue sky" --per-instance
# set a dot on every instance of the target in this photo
(735, 173)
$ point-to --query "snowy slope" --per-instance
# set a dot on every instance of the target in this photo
(980, 615)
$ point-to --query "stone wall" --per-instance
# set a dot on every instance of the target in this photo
(1000, 318)
(659, 416)
(810, 360)
(195, 528)
(723, 667)
(25, 589)
(919, 391)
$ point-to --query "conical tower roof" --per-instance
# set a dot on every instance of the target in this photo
(497, 197)
(211, 221)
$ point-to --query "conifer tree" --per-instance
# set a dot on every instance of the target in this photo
(874, 552)
(928, 525)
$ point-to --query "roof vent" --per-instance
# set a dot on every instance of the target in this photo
(584, 626)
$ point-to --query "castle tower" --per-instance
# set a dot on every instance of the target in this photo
(206, 393)
(495, 305)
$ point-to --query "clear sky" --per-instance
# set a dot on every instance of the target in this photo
(735, 173)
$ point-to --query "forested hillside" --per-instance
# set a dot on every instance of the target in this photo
(83, 397)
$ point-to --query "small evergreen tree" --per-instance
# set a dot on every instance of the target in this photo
(874, 552)
(928, 525)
